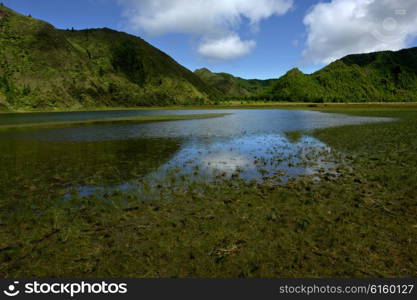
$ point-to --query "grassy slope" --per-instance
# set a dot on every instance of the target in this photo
(361, 223)
(233, 87)
(381, 77)
(43, 67)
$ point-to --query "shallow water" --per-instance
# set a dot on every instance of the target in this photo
(250, 144)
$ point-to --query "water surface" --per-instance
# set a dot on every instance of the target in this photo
(251, 144)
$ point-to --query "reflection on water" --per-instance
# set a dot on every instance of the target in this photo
(251, 157)
(249, 144)
(38, 165)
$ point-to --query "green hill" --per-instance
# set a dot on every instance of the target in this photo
(376, 77)
(42, 67)
(233, 87)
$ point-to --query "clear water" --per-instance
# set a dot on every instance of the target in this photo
(251, 144)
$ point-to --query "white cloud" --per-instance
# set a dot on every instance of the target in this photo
(226, 48)
(216, 21)
(343, 27)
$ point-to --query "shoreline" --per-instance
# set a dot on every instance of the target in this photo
(140, 119)
(233, 105)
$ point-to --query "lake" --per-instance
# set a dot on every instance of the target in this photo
(250, 144)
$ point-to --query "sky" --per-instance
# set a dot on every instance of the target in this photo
(247, 38)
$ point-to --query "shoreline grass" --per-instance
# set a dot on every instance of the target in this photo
(235, 105)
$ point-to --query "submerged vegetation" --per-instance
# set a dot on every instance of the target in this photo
(356, 220)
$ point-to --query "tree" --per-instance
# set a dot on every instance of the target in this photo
(125, 59)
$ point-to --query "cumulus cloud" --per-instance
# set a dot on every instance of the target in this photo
(216, 22)
(226, 48)
(341, 27)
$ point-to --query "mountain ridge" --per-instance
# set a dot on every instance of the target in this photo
(385, 76)
(233, 87)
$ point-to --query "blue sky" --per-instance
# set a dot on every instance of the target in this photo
(251, 39)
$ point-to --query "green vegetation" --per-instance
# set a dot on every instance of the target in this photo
(44, 169)
(125, 120)
(233, 87)
(356, 221)
(125, 58)
(367, 106)
(42, 67)
(375, 77)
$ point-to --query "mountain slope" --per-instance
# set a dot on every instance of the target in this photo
(233, 87)
(43, 67)
(380, 77)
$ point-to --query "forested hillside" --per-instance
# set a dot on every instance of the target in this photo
(42, 67)
(375, 77)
